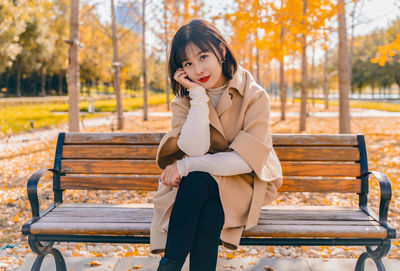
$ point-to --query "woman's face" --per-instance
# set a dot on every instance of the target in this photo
(203, 68)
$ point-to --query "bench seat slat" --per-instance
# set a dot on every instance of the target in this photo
(133, 218)
(282, 221)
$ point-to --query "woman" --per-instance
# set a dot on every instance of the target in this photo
(219, 167)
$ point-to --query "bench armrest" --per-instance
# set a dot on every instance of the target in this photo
(386, 195)
(32, 189)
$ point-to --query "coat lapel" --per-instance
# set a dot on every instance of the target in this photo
(224, 103)
(214, 119)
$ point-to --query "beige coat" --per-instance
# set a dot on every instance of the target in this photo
(240, 123)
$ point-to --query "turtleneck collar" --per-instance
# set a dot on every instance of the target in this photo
(218, 89)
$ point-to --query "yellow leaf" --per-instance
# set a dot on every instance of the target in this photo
(94, 263)
(230, 256)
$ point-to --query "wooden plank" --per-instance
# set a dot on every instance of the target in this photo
(317, 231)
(91, 228)
(155, 138)
(110, 152)
(314, 213)
(135, 218)
(314, 140)
(113, 138)
(317, 153)
(151, 184)
(299, 231)
(109, 182)
(320, 169)
(324, 185)
(110, 167)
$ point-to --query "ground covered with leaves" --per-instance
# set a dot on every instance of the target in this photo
(21, 156)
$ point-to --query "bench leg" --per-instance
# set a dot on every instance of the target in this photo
(42, 251)
(376, 255)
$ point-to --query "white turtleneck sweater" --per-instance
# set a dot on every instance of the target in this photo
(197, 126)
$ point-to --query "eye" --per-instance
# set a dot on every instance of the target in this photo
(203, 56)
(186, 64)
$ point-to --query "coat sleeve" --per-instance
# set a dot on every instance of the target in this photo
(254, 143)
(168, 150)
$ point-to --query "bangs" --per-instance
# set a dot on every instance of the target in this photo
(200, 42)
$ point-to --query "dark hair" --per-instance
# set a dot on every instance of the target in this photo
(207, 38)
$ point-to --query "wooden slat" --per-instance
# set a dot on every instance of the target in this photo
(320, 185)
(113, 138)
(317, 153)
(109, 182)
(110, 167)
(110, 151)
(132, 218)
(151, 184)
(300, 222)
(155, 138)
(313, 140)
(320, 169)
(317, 231)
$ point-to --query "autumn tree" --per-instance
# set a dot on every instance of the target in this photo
(344, 76)
(116, 70)
(73, 69)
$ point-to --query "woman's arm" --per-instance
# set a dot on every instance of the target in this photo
(221, 163)
(196, 128)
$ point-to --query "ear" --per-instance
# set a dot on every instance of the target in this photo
(223, 49)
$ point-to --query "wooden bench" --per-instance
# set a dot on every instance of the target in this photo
(126, 161)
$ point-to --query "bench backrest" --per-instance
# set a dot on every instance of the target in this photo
(125, 161)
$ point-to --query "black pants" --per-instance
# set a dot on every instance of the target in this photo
(196, 222)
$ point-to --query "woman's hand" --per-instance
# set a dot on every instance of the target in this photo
(170, 175)
(182, 78)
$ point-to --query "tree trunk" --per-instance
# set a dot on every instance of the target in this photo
(344, 76)
(19, 92)
(144, 68)
(282, 84)
(258, 62)
(60, 83)
(166, 53)
(312, 75)
(326, 82)
(73, 70)
(116, 68)
(293, 79)
(42, 82)
(303, 107)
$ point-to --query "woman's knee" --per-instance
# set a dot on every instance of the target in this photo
(198, 181)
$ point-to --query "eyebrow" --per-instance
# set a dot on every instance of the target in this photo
(200, 52)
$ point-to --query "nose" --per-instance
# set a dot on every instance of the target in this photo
(199, 69)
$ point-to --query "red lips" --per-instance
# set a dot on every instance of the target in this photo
(204, 79)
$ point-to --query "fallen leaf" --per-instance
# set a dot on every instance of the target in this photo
(94, 263)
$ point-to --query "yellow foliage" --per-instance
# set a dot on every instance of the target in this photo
(385, 52)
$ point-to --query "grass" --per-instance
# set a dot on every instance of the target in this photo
(384, 106)
(17, 118)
